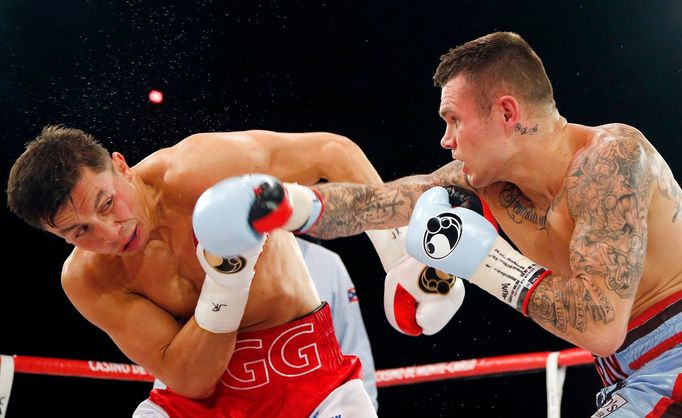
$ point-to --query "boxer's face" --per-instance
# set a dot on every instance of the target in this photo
(469, 134)
(102, 215)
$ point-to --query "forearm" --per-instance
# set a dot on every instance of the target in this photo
(206, 342)
(579, 310)
(194, 361)
(585, 309)
(351, 209)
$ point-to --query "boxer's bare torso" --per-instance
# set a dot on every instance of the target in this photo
(596, 205)
(168, 274)
(544, 232)
(134, 272)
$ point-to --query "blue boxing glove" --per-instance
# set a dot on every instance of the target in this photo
(436, 228)
(231, 216)
(463, 243)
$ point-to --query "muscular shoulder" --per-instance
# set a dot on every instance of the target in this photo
(202, 159)
(86, 276)
(184, 170)
(230, 148)
(616, 141)
(257, 142)
(610, 147)
(616, 163)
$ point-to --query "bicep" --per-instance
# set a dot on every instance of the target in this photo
(313, 156)
(608, 198)
(303, 158)
(607, 195)
(606, 266)
(608, 255)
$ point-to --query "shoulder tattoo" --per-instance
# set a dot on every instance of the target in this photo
(608, 192)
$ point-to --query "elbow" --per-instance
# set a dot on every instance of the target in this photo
(341, 141)
(195, 390)
(341, 146)
(201, 393)
(346, 162)
(607, 342)
(193, 386)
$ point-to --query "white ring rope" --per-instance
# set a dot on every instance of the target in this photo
(555, 383)
(6, 378)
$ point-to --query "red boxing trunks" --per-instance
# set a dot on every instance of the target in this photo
(285, 371)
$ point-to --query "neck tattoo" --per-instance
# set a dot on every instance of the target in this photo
(525, 130)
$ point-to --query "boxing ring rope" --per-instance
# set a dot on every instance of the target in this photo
(554, 363)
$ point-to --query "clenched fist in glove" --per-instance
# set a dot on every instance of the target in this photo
(417, 299)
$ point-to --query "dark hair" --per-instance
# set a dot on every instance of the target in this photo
(499, 59)
(43, 177)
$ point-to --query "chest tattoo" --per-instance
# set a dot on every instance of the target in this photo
(520, 209)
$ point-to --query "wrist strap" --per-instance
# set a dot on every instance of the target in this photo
(220, 308)
(225, 290)
(315, 213)
(389, 245)
(307, 208)
(509, 275)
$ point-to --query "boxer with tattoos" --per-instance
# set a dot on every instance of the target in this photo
(593, 211)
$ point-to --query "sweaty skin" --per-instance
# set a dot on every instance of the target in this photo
(134, 272)
(596, 205)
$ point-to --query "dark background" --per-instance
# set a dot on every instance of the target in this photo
(359, 68)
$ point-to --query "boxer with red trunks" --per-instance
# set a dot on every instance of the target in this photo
(265, 365)
(172, 308)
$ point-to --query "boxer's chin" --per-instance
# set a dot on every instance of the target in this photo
(475, 182)
(470, 180)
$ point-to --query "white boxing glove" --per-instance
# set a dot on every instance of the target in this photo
(417, 299)
(420, 299)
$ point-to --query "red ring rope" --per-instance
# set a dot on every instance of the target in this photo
(479, 367)
(80, 368)
(385, 378)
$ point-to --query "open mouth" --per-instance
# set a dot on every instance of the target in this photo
(130, 241)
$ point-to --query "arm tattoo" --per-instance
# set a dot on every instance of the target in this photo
(569, 301)
(607, 192)
(353, 208)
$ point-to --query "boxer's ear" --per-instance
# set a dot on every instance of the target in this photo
(120, 164)
(509, 110)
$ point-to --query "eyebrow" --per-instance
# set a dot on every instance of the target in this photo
(67, 229)
(444, 111)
